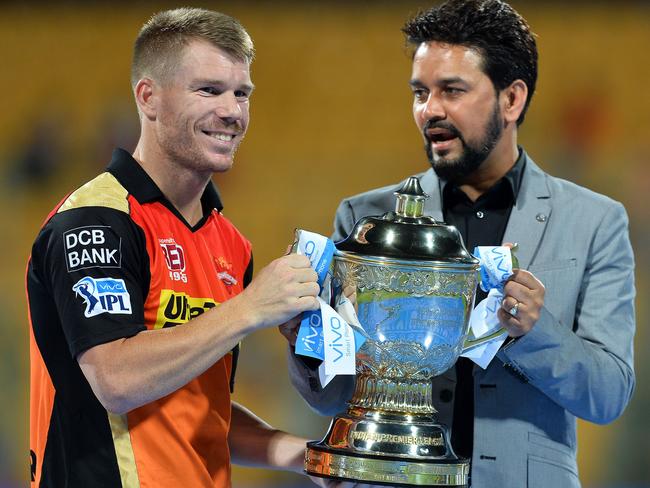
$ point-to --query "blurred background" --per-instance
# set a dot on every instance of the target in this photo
(330, 118)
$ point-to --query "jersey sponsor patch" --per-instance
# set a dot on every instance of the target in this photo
(177, 308)
(94, 246)
(224, 270)
(103, 295)
(174, 258)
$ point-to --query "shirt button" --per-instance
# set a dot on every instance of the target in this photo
(446, 396)
(480, 214)
(540, 217)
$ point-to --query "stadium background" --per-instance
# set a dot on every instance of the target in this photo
(330, 117)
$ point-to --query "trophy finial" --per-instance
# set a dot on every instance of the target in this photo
(410, 199)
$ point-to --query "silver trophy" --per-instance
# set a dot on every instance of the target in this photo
(414, 284)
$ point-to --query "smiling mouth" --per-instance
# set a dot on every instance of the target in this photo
(219, 136)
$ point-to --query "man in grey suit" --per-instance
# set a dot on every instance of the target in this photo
(569, 309)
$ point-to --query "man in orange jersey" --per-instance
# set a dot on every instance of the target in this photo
(140, 290)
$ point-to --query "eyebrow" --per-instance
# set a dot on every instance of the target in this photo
(452, 80)
(415, 83)
(220, 84)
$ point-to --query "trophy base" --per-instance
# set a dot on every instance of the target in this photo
(386, 449)
(323, 462)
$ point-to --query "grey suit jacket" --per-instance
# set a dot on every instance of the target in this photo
(577, 361)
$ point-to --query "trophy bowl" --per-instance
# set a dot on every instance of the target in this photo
(414, 285)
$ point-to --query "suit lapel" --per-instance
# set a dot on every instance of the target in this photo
(530, 215)
(431, 186)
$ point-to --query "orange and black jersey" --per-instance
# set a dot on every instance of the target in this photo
(113, 259)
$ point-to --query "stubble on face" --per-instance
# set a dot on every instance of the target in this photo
(190, 123)
(473, 153)
(178, 141)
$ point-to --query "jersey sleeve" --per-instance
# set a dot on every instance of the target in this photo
(92, 263)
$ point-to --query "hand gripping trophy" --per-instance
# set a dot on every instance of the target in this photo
(415, 285)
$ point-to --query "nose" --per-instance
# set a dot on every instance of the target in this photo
(433, 108)
(228, 108)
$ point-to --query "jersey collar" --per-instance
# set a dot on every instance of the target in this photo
(139, 184)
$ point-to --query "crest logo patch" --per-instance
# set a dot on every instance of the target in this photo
(103, 295)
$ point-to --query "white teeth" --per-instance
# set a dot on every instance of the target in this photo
(222, 137)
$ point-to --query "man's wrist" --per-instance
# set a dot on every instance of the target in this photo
(289, 453)
(236, 313)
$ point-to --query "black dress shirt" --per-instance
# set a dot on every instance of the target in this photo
(481, 223)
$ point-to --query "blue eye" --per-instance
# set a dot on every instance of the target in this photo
(210, 90)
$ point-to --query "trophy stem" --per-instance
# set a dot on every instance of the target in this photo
(393, 395)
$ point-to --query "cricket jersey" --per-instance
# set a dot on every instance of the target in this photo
(114, 259)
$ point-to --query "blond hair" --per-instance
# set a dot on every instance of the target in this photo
(160, 43)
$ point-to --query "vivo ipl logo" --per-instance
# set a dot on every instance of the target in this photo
(499, 258)
(310, 340)
(103, 295)
(337, 343)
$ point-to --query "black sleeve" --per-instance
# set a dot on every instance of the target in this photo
(93, 264)
(248, 274)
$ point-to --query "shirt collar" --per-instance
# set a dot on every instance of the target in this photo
(513, 176)
(516, 173)
(139, 184)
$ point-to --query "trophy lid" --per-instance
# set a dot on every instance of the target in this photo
(407, 234)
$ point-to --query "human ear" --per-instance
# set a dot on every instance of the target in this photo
(145, 98)
(513, 100)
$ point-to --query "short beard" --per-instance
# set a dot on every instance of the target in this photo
(473, 155)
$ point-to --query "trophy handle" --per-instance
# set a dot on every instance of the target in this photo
(470, 344)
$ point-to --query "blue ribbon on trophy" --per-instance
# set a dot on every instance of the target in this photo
(324, 333)
(496, 267)
(334, 335)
